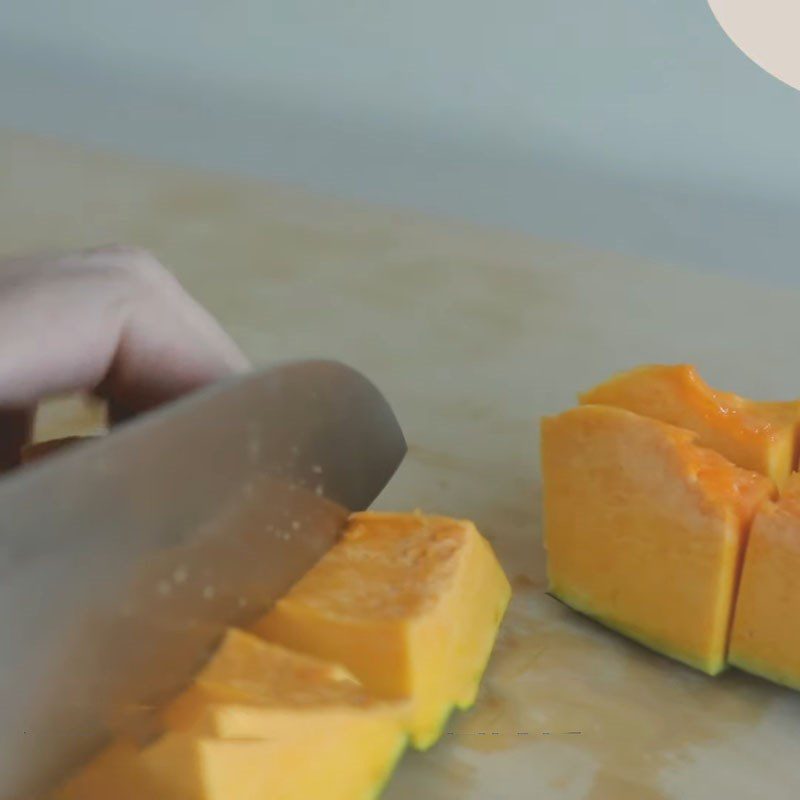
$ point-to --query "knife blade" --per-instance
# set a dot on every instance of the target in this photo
(123, 560)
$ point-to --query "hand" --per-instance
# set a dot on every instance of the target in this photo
(112, 321)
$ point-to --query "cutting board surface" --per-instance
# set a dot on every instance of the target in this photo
(473, 335)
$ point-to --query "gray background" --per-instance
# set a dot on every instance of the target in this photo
(630, 125)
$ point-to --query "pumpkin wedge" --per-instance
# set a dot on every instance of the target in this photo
(645, 530)
(329, 764)
(411, 604)
(187, 767)
(248, 727)
(252, 689)
(765, 639)
(247, 670)
(754, 435)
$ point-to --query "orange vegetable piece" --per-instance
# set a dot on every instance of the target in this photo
(246, 670)
(185, 767)
(34, 451)
(765, 639)
(754, 435)
(248, 728)
(319, 764)
(349, 763)
(411, 604)
(645, 530)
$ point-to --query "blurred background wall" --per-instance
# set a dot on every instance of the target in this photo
(630, 125)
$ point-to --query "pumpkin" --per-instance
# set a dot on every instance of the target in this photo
(411, 604)
(755, 435)
(247, 728)
(764, 638)
(645, 530)
(390, 631)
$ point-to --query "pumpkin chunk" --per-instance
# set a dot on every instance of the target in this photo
(247, 728)
(645, 530)
(185, 767)
(753, 435)
(411, 604)
(351, 763)
(252, 689)
(247, 670)
(764, 639)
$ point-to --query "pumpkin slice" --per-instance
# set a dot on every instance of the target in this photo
(410, 603)
(645, 530)
(247, 670)
(764, 639)
(185, 767)
(349, 763)
(302, 707)
(248, 727)
(36, 450)
(252, 689)
(321, 764)
(753, 435)
(181, 767)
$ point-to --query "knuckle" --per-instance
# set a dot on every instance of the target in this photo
(136, 263)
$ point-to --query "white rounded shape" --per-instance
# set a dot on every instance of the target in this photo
(766, 31)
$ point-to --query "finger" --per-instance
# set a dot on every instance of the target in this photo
(169, 345)
(111, 318)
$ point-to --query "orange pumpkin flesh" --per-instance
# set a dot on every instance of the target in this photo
(645, 530)
(410, 604)
(247, 728)
(247, 670)
(764, 639)
(754, 435)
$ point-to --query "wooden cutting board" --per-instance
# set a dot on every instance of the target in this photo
(473, 334)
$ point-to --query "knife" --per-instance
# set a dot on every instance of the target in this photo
(123, 559)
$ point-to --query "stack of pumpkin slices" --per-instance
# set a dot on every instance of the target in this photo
(661, 518)
(389, 632)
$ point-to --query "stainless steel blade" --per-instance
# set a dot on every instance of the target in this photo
(122, 560)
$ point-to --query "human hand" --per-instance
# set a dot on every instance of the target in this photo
(112, 321)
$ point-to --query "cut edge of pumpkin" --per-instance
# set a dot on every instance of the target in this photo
(381, 784)
(480, 673)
